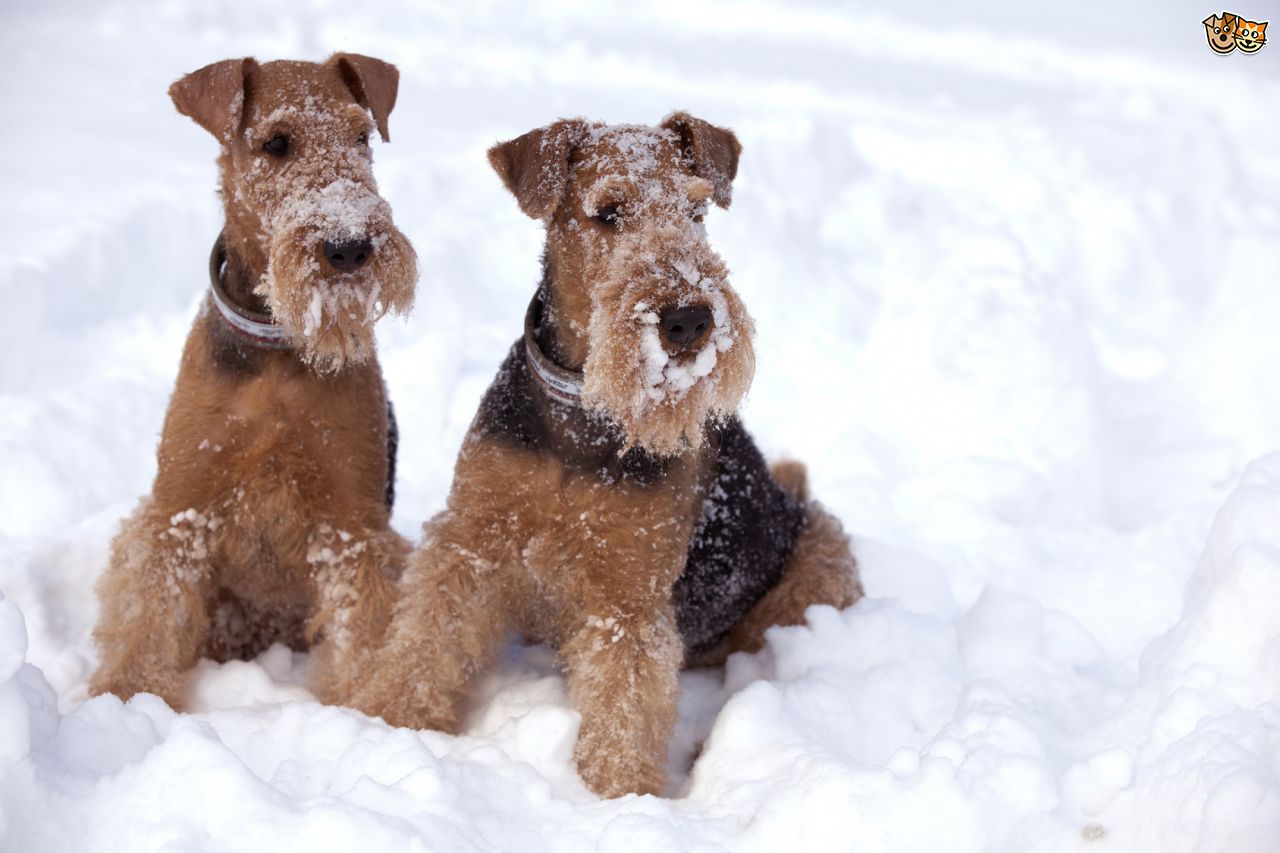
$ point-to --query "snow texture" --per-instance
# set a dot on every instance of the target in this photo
(1014, 285)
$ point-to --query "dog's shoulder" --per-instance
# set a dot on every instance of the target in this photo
(509, 410)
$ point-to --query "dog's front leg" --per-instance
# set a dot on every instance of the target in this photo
(154, 616)
(448, 624)
(623, 666)
(354, 573)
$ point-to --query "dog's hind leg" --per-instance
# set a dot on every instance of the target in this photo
(448, 624)
(820, 570)
(154, 597)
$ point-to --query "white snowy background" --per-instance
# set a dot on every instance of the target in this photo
(1016, 274)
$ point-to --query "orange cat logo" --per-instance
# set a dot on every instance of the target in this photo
(1250, 37)
(1229, 31)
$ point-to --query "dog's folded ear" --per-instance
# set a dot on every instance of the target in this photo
(535, 166)
(214, 96)
(374, 84)
(712, 150)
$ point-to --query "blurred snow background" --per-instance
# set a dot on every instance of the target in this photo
(1014, 269)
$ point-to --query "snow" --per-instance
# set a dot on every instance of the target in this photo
(666, 378)
(325, 191)
(1014, 292)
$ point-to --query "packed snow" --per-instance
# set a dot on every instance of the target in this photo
(1013, 273)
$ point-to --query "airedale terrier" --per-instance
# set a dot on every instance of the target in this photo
(607, 499)
(268, 519)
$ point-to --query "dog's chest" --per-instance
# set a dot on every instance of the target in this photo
(268, 458)
(592, 529)
(710, 532)
(274, 433)
(591, 543)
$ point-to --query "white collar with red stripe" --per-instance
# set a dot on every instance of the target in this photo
(261, 330)
(558, 383)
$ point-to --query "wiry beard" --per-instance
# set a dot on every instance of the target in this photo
(663, 403)
(331, 314)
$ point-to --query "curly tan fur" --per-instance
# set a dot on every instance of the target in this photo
(268, 519)
(655, 268)
(571, 525)
(565, 559)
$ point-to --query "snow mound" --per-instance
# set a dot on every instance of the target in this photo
(857, 725)
(1198, 741)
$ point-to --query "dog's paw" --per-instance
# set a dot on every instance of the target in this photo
(404, 708)
(411, 711)
(609, 774)
(125, 686)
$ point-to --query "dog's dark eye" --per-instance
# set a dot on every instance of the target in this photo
(608, 215)
(277, 145)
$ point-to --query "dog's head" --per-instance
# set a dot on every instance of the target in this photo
(638, 299)
(1250, 36)
(301, 202)
(1221, 32)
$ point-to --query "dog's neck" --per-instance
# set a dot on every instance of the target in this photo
(557, 382)
(556, 333)
(242, 312)
(240, 280)
(544, 409)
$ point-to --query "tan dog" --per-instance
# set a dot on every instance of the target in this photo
(1221, 32)
(268, 520)
(606, 499)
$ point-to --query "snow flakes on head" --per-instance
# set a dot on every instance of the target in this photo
(323, 190)
(656, 258)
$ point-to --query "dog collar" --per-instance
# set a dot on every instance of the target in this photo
(557, 382)
(259, 329)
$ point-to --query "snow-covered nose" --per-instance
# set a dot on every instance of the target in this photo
(349, 254)
(686, 327)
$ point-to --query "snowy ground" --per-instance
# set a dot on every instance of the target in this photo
(1014, 273)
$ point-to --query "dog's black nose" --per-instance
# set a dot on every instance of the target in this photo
(686, 326)
(347, 255)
